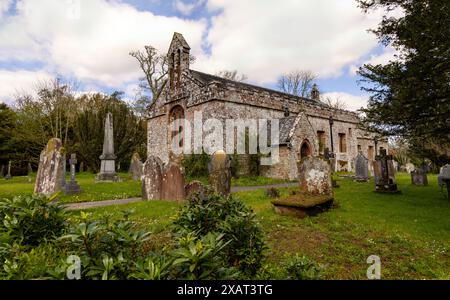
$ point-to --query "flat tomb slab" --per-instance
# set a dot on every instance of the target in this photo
(302, 200)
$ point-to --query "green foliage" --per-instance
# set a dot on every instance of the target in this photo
(196, 165)
(209, 213)
(302, 268)
(31, 220)
(7, 124)
(410, 94)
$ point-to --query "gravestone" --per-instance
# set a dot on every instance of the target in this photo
(136, 167)
(219, 169)
(72, 186)
(384, 173)
(152, 179)
(331, 158)
(172, 187)
(361, 168)
(48, 178)
(444, 178)
(419, 177)
(193, 187)
(108, 167)
(316, 190)
(8, 175)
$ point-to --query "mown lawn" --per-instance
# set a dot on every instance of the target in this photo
(93, 191)
(410, 231)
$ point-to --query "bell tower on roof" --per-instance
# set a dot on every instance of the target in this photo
(178, 59)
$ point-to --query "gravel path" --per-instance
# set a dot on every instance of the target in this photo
(87, 205)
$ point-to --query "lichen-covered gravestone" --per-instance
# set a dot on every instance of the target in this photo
(361, 168)
(316, 190)
(173, 183)
(220, 173)
(384, 173)
(152, 179)
(419, 177)
(136, 167)
(444, 179)
(50, 171)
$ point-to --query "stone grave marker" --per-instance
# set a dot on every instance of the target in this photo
(108, 165)
(8, 175)
(419, 177)
(152, 179)
(444, 178)
(193, 187)
(316, 190)
(48, 178)
(384, 173)
(220, 173)
(29, 171)
(136, 167)
(72, 186)
(173, 183)
(361, 168)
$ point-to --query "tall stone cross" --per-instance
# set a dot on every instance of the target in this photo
(72, 186)
(385, 181)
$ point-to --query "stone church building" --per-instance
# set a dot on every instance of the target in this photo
(304, 122)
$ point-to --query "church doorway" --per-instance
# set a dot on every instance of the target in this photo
(305, 149)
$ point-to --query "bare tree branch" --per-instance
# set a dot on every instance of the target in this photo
(297, 83)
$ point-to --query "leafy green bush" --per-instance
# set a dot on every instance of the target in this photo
(31, 220)
(302, 268)
(209, 213)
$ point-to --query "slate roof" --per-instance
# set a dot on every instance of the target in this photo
(207, 78)
(286, 125)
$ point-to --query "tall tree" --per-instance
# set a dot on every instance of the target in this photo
(297, 83)
(410, 95)
(7, 127)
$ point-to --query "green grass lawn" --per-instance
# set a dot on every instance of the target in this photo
(410, 231)
(93, 191)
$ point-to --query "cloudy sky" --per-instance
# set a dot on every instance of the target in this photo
(88, 41)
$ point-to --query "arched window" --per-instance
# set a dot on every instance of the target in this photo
(305, 149)
(176, 118)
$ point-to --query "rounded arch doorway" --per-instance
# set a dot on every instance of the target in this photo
(305, 149)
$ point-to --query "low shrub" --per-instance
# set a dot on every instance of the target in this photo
(209, 213)
(196, 165)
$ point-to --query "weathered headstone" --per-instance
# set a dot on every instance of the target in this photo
(220, 173)
(136, 167)
(419, 177)
(444, 178)
(152, 179)
(72, 186)
(108, 168)
(48, 178)
(9, 176)
(173, 183)
(361, 168)
(194, 187)
(316, 189)
(384, 173)
(331, 158)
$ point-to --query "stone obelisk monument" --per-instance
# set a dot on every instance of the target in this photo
(108, 165)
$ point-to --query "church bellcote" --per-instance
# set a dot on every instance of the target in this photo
(178, 57)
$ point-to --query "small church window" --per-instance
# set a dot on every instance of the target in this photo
(322, 141)
(342, 143)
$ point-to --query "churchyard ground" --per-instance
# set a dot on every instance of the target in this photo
(410, 231)
(93, 191)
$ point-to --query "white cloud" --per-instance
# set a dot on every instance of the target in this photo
(91, 41)
(4, 6)
(187, 8)
(352, 102)
(381, 59)
(19, 81)
(263, 38)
